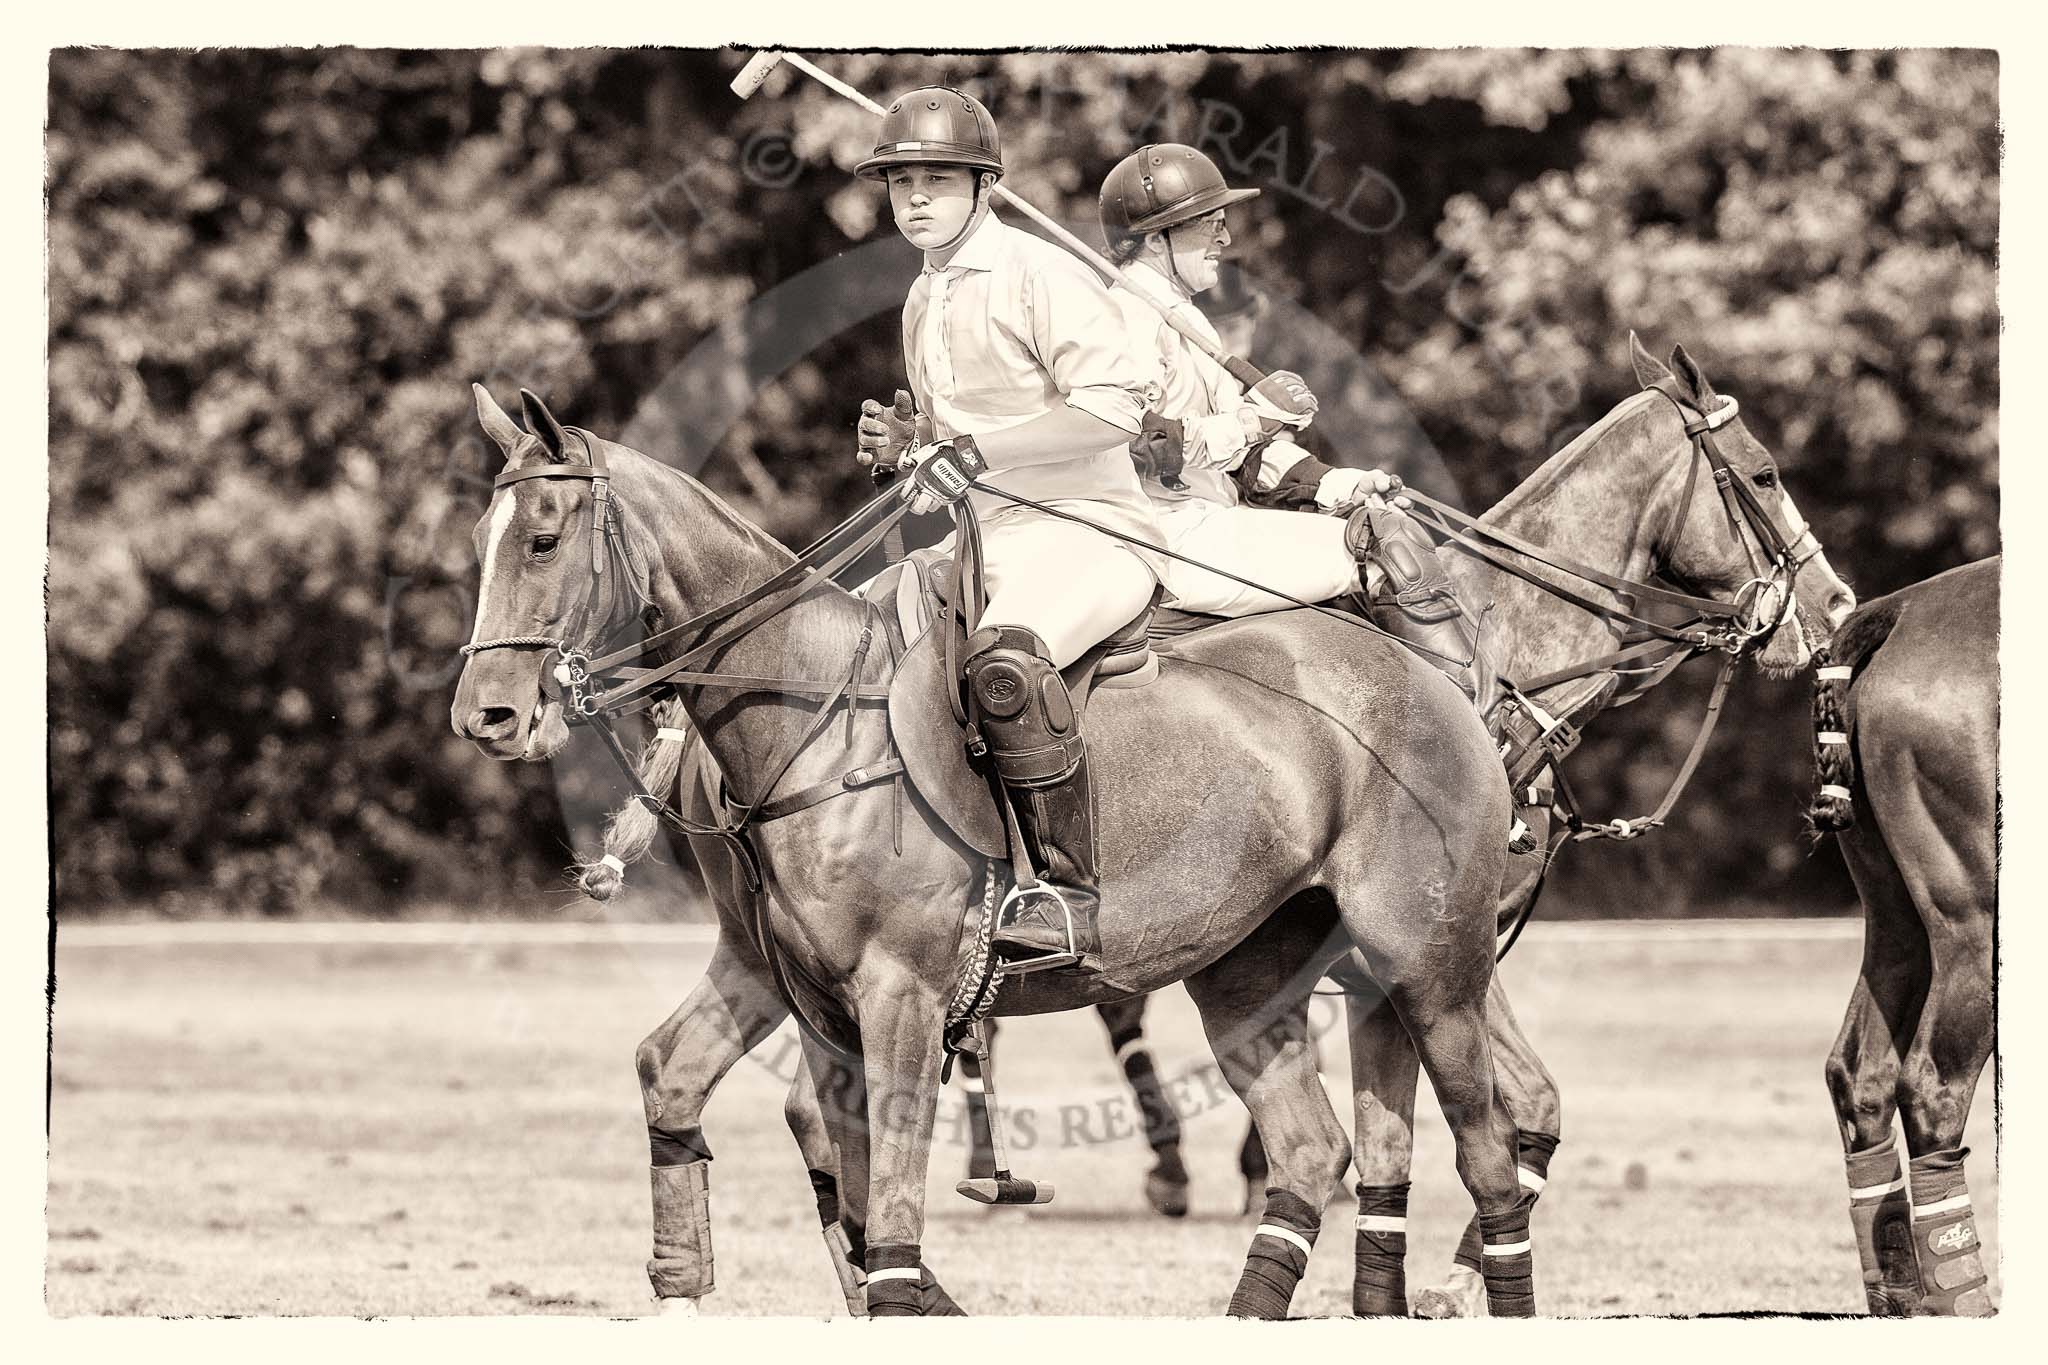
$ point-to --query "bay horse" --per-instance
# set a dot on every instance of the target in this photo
(1600, 501)
(1567, 503)
(1370, 798)
(1906, 721)
(682, 1060)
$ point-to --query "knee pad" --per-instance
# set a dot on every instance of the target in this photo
(1028, 717)
(1387, 538)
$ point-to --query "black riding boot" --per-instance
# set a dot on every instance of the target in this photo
(1416, 599)
(1032, 732)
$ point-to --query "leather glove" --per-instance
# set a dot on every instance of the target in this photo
(1282, 399)
(1344, 489)
(939, 473)
(886, 433)
(1158, 452)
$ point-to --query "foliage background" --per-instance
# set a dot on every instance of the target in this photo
(273, 275)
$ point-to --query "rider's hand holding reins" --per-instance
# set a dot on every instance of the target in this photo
(887, 433)
(1341, 490)
(939, 473)
(1280, 401)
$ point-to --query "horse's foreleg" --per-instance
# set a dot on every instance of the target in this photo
(1532, 1101)
(1445, 1013)
(900, 1043)
(826, 1108)
(1384, 1071)
(1258, 1028)
(1166, 1184)
(1864, 1071)
(1937, 1085)
(727, 1013)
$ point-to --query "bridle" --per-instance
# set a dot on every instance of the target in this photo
(1735, 629)
(596, 682)
(611, 561)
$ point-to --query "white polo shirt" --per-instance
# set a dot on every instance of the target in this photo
(1011, 329)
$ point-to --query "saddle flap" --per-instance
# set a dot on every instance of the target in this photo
(933, 750)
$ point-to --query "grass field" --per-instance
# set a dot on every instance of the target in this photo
(415, 1128)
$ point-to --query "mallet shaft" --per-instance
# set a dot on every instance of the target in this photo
(834, 83)
(1242, 371)
(756, 71)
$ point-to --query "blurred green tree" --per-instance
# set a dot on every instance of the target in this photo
(273, 275)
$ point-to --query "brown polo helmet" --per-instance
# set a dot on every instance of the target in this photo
(1162, 186)
(935, 125)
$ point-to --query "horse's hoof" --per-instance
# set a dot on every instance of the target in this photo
(1167, 1194)
(675, 1308)
(1463, 1295)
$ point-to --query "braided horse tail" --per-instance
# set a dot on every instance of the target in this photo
(1835, 665)
(633, 826)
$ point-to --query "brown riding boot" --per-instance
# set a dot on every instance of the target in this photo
(1032, 732)
(1416, 599)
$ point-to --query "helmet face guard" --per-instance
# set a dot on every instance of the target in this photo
(1162, 186)
(935, 125)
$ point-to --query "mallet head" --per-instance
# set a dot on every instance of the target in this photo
(755, 72)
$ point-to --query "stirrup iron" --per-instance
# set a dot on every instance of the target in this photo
(1023, 893)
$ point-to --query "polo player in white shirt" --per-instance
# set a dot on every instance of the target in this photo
(1162, 211)
(1023, 376)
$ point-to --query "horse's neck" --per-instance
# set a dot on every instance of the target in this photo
(705, 554)
(1599, 501)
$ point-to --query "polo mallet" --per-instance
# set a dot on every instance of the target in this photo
(1244, 372)
(1002, 1188)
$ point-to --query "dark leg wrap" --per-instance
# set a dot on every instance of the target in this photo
(1882, 1216)
(1379, 1281)
(826, 1188)
(1162, 1124)
(1952, 1280)
(1278, 1257)
(1532, 1165)
(1507, 1264)
(891, 1292)
(681, 1178)
(894, 1294)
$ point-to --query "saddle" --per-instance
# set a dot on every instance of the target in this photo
(915, 599)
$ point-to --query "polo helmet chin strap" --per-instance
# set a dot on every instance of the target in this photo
(973, 213)
(1172, 266)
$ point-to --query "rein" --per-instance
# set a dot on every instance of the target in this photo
(594, 690)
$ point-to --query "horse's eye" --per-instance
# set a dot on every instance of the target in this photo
(543, 546)
(1767, 477)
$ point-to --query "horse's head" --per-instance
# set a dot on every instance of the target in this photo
(1748, 544)
(539, 543)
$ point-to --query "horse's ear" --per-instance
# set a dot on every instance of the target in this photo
(542, 423)
(1649, 369)
(496, 424)
(1702, 392)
